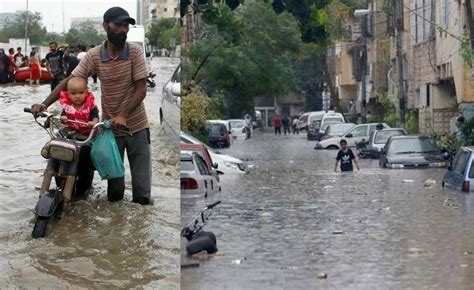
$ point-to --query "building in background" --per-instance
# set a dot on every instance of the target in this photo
(165, 9)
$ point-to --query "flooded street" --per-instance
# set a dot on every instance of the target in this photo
(99, 244)
(292, 218)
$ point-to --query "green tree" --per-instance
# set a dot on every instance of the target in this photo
(162, 31)
(85, 34)
(244, 54)
(15, 27)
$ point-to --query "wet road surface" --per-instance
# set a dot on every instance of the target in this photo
(292, 218)
(99, 244)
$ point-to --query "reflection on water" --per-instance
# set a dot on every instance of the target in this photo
(99, 244)
(292, 218)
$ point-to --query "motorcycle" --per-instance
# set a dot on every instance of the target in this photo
(65, 148)
(150, 80)
(199, 240)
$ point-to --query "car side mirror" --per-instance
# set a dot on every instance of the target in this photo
(147, 54)
(215, 165)
(176, 89)
(349, 135)
(230, 132)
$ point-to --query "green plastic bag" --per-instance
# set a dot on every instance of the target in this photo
(106, 156)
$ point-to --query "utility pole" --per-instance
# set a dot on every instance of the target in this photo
(399, 35)
(363, 80)
(26, 26)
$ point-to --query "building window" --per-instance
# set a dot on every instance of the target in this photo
(428, 95)
(447, 12)
(165, 9)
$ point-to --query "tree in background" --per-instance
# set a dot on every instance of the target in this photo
(162, 31)
(243, 54)
(85, 33)
(15, 27)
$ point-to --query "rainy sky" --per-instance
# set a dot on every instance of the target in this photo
(52, 10)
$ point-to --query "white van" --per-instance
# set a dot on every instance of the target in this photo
(318, 122)
(136, 34)
(313, 117)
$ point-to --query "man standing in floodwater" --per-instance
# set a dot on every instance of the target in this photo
(122, 70)
(345, 156)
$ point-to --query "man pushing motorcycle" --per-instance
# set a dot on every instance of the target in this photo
(121, 68)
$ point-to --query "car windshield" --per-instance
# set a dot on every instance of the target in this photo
(314, 119)
(338, 130)
(381, 137)
(333, 120)
(236, 124)
(187, 165)
(413, 145)
(327, 123)
(216, 130)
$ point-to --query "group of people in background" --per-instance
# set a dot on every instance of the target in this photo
(286, 123)
(59, 63)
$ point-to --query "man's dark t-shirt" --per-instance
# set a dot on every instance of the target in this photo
(346, 159)
(55, 60)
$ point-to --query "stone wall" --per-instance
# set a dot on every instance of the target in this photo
(436, 121)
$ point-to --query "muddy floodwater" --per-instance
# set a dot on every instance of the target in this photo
(99, 244)
(292, 218)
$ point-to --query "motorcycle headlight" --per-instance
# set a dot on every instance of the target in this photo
(231, 164)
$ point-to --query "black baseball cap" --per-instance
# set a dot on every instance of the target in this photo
(117, 15)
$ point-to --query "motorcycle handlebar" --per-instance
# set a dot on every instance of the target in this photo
(41, 114)
(209, 206)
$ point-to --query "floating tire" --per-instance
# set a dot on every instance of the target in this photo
(41, 225)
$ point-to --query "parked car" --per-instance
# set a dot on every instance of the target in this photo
(319, 123)
(170, 103)
(239, 128)
(460, 173)
(334, 130)
(218, 134)
(227, 164)
(411, 151)
(195, 175)
(378, 139)
(352, 136)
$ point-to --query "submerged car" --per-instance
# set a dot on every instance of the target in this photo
(218, 134)
(239, 128)
(378, 139)
(354, 135)
(334, 130)
(196, 178)
(319, 122)
(227, 164)
(460, 173)
(170, 102)
(411, 151)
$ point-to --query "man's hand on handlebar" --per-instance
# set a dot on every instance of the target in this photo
(36, 108)
(63, 119)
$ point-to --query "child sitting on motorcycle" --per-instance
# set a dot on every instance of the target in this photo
(78, 105)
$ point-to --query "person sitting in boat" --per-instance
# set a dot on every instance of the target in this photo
(35, 68)
(25, 62)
